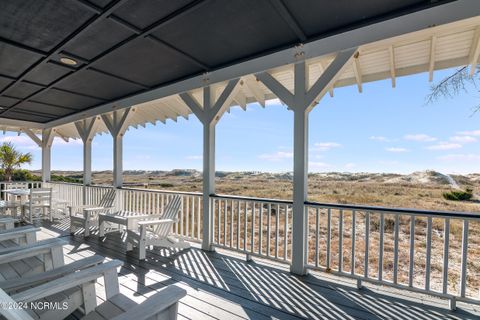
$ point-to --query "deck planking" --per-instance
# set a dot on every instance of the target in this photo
(222, 285)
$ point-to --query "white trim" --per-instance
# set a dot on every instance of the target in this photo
(437, 15)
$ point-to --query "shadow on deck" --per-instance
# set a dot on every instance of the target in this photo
(223, 286)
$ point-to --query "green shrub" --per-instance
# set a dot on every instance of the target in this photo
(457, 195)
(55, 177)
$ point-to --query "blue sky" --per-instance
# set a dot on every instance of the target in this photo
(380, 130)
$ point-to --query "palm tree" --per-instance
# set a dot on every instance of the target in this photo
(11, 159)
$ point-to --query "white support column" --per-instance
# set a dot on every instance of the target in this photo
(209, 114)
(47, 139)
(86, 130)
(301, 103)
(117, 125)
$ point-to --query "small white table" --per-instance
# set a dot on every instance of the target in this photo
(128, 219)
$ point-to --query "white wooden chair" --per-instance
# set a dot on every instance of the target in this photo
(79, 290)
(157, 233)
(38, 257)
(38, 205)
(26, 282)
(6, 223)
(20, 236)
(87, 216)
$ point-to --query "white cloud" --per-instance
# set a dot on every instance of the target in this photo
(194, 157)
(460, 157)
(20, 141)
(318, 165)
(350, 165)
(396, 149)
(379, 138)
(277, 156)
(444, 146)
(419, 137)
(463, 139)
(325, 146)
(470, 133)
(71, 142)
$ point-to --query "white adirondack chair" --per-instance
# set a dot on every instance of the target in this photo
(157, 233)
(38, 205)
(7, 223)
(79, 289)
(20, 236)
(26, 282)
(87, 216)
(41, 256)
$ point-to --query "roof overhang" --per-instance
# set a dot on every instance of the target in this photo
(373, 39)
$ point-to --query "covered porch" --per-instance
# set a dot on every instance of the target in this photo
(364, 262)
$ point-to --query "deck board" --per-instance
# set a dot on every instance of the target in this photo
(222, 285)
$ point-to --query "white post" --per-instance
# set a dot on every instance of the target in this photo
(47, 139)
(208, 182)
(209, 115)
(86, 131)
(118, 160)
(301, 103)
(87, 162)
(117, 125)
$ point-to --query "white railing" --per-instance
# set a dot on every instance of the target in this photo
(425, 251)
(145, 201)
(4, 185)
(254, 226)
(151, 201)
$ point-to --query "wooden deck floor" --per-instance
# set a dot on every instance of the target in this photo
(223, 286)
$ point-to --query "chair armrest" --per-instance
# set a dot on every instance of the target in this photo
(29, 281)
(68, 282)
(155, 222)
(94, 209)
(16, 233)
(29, 251)
(12, 313)
(155, 304)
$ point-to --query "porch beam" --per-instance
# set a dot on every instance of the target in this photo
(358, 72)
(33, 136)
(209, 114)
(116, 124)
(474, 52)
(47, 139)
(301, 102)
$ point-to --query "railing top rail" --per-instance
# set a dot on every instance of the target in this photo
(406, 211)
(226, 196)
(162, 191)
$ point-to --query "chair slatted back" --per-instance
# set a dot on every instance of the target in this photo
(40, 197)
(108, 199)
(170, 212)
(16, 185)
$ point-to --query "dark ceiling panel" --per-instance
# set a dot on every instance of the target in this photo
(46, 73)
(221, 31)
(22, 90)
(142, 13)
(28, 116)
(7, 101)
(97, 39)
(66, 99)
(41, 24)
(325, 16)
(14, 61)
(100, 3)
(206, 35)
(42, 108)
(88, 82)
(4, 82)
(147, 62)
